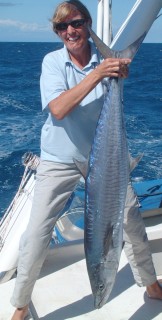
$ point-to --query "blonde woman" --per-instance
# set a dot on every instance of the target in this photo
(72, 94)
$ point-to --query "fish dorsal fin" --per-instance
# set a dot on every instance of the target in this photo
(133, 162)
(82, 167)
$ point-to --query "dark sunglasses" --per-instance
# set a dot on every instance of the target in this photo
(62, 26)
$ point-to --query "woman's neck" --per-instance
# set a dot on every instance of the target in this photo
(82, 58)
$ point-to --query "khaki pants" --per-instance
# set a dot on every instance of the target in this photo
(54, 184)
(136, 245)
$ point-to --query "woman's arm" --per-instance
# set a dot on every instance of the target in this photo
(68, 100)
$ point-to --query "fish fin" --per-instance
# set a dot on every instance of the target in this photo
(133, 162)
(82, 167)
(105, 51)
(108, 239)
(132, 49)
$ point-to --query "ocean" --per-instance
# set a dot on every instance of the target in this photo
(21, 117)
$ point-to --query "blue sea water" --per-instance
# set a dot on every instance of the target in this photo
(21, 118)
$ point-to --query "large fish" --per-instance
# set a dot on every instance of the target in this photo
(106, 185)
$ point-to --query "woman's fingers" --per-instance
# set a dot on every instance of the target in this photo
(114, 67)
(118, 67)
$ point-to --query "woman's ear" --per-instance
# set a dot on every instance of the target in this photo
(89, 22)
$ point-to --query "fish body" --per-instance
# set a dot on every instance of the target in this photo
(106, 187)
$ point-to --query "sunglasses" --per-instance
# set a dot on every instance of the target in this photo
(62, 26)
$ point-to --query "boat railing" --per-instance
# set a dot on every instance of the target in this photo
(30, 161)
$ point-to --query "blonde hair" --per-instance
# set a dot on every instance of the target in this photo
(66, 8)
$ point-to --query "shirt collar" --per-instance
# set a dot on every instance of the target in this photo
(95, 56)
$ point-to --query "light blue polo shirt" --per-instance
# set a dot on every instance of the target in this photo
(71, 137)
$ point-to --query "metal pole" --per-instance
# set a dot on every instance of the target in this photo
(100, 19)
(107, 22)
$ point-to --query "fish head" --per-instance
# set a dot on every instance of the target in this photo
(101, 285)
(102, 269)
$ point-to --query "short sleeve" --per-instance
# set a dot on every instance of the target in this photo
(53, 78)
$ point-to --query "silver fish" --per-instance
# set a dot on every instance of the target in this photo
(106, 185)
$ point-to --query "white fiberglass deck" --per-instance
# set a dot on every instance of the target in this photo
(63, 292)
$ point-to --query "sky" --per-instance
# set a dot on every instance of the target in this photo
(29, 20)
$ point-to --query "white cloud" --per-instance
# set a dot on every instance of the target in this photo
(23, 26)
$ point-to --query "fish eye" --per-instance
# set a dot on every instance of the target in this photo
(101, 286)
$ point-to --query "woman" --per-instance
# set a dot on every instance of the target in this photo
(72, 90)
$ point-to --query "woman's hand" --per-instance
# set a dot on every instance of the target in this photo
(113, 67)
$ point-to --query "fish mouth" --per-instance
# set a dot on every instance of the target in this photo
(99, 302)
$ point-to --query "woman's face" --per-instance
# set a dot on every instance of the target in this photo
(75, 39)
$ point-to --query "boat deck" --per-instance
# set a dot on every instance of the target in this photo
(63, 292)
